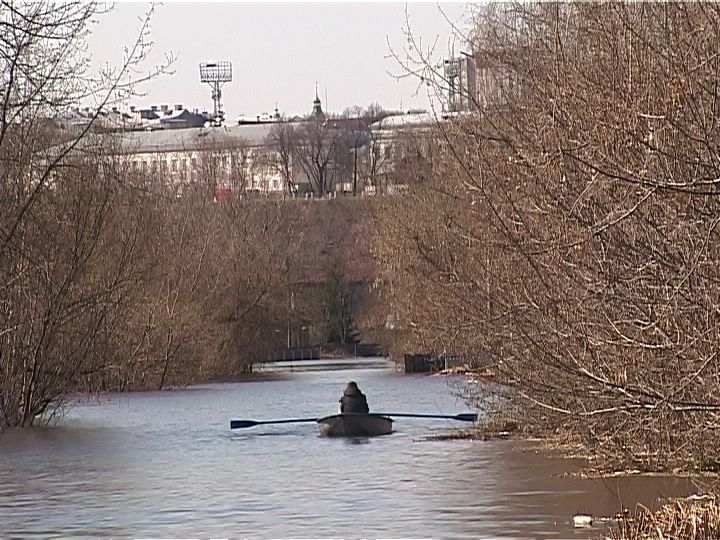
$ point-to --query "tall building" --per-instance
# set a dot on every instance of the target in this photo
(461, 79)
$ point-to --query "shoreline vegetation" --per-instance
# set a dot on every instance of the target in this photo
(695, 517)
(562, 235)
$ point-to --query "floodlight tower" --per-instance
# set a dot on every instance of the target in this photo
(453, 76)
(216, 74)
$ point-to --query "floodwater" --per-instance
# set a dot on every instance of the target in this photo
(166, 465)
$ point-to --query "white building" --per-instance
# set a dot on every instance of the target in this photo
(235, 158)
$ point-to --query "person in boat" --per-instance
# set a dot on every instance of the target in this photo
(353, 400)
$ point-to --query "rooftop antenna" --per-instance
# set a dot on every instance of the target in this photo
(216, 74)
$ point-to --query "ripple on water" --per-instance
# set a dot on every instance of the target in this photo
(166, 464)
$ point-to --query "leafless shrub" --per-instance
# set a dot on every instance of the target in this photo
(568, 227)
(283, 147)
(69, 266)
(62, 269)
(213, 290)
(681, 520)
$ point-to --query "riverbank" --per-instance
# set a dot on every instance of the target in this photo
(694, 517)
(254, 376)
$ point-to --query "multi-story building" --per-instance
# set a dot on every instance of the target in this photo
(461, 80)
(247, 157)
(390, 140)
(473, 83)
(232, 158)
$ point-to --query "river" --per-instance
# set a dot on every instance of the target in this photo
(166, 465)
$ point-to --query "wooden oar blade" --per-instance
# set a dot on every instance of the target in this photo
(463, 417)
(237, 424)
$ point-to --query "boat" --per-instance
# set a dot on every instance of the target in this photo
(355, 425)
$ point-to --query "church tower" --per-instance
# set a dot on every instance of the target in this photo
(317, 111)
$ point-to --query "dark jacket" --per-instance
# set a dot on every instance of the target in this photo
(353, 400)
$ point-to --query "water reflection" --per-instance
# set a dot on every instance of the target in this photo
(165, 464)
(352, 441)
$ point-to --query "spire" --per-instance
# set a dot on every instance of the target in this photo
(317, 106)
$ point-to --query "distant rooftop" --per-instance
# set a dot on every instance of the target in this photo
(405, 120)
(172, 140)
(412, 119)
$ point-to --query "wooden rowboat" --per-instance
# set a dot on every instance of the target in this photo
(355, 425)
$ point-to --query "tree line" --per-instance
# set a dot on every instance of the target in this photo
(566, 229)
(115, 278)
(329, 151)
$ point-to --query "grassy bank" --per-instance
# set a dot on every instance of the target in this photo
(686, 519)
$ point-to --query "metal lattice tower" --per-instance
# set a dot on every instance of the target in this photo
(453, 76)
(216, 74)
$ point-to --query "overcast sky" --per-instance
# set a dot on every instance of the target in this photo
(278, 52)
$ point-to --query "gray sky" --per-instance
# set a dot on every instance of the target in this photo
(279, 51)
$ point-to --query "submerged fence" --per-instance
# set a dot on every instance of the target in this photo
(324, 351)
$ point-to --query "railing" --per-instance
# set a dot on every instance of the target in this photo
(295, 353)
(324, 351)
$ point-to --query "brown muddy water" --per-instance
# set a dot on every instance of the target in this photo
(166, 465)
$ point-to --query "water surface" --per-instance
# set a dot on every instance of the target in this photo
(166, 465)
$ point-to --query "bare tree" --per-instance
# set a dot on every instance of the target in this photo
(66, 273)
(377, 162)
(258, 251)
(354, 140)
(63, 273)
(222, 164)
(44, 73)
(375, 112)
(282, 143)
(567, 229)
(212, 289)
(315, 151)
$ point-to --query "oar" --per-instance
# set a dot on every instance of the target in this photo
(235, 424)
(463, 417)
